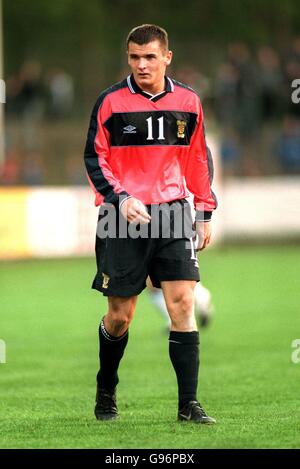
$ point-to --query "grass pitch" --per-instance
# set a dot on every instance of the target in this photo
(49, 319)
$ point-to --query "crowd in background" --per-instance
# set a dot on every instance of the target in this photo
(260, 125)
(247, 101)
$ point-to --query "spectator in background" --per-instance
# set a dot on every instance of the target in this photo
(61, 93)
(226, 109)
(75, 175)
(271, 102)
(31, 103)
(295, 50)
(270, 83)
(10, 168)
(247, 90)
(193, 78)
(230, 151)
(33, 171)
(32, 92)
(226, 94)
(238, 109)
(287, 148)
(13, 86)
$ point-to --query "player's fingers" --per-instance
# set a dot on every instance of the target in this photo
(200, 244)
(205, 243)
(138, 218)
(141, 220)
(132, 217)
(144, 220)
(132, 212)
(143, 213)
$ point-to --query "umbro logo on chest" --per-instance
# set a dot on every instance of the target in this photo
(129, 129)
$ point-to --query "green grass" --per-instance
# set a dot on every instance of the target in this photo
(49, 319)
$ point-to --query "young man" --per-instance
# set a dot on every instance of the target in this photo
(146, 150)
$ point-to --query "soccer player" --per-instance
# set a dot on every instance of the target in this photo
(145, 152)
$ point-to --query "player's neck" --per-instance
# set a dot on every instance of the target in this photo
(155, 88)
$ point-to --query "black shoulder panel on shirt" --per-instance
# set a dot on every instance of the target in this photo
(94, 171)
(183, 85)
(111, 89)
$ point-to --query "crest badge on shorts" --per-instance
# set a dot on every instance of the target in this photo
(106, 279)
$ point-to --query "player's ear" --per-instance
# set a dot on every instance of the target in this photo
(169, 57)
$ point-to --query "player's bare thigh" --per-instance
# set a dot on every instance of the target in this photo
(179, 297)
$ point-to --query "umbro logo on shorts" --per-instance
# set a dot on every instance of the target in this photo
(129, 129)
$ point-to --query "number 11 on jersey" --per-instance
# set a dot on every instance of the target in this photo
(160, 128)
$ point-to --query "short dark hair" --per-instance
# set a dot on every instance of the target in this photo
(147, 33)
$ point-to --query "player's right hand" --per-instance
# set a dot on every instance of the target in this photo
(203, 235)
(135, 211)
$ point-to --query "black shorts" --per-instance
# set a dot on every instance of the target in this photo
(124, 263)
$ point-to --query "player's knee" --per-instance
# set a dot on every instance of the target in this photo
(183, 318)
(182, 303)
(187, 304)
(182, 306)
(120, 313)
(116, 324)
(120, 321)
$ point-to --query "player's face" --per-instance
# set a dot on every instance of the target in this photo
(148, 64)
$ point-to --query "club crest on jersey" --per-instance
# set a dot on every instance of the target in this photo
(180, 128)
(106, 279)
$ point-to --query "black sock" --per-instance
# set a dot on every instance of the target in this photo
(184, 355)
(111, 351)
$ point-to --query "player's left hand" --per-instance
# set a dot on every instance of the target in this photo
(203, 234)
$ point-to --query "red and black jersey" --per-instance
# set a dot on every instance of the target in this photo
(149, 147)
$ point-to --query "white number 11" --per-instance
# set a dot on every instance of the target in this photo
(160, 128)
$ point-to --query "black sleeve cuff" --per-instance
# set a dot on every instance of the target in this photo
(122, 199)
(203, 216)
(116, 199)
